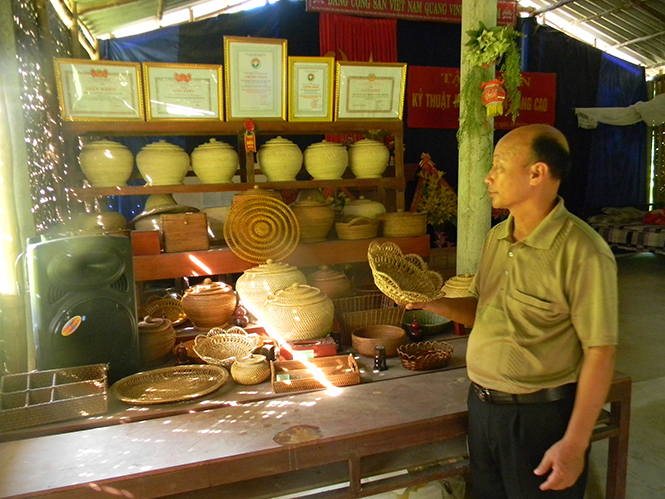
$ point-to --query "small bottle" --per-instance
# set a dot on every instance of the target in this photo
(240, 316)
(380, 358)
(415, 331)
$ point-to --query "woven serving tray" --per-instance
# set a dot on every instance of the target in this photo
(294, 376)
(170, 384)
(259, 228)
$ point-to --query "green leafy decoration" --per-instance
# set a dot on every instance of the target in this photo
(439, 200)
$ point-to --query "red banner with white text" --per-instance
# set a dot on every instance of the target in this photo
(449, 11)
(431, 95)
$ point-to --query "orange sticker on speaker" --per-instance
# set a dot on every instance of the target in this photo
(71, 326)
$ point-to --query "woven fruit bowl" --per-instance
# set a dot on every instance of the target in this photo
(404, 278)
(430, 323)
(222, 347)
(364, 339)
(425, 355)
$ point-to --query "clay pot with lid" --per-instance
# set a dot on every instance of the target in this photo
(163, 163)
(315, 219)
(299, 312)
(326, 160)
(210, 304)
(333, 283)
(215, 162)
(106, 163)
(156, 340)
(368, 158)
(363, 207)
(255, 284)
(280, 159)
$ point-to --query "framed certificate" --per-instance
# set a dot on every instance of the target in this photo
(183, 91)
(311, 82)
(255, 78)
(99, 90)
(369, 90)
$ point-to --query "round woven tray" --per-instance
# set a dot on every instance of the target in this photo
(404, 278)
(261, 227)
(166, 308)
(425, 355)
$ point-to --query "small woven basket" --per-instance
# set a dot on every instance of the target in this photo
(166, 308)
(425, 355)
(357, 228)
(367, 310)
(222, 347)
(458, 286)
(404, 278)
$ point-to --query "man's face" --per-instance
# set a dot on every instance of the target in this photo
(508, 182)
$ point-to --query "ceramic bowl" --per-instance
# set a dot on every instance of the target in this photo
(364, 339)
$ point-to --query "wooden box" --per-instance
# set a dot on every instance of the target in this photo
(185, 232)
(146, 242)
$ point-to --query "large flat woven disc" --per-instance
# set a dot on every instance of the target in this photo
(259, 228)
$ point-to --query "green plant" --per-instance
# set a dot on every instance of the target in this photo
(438, 199)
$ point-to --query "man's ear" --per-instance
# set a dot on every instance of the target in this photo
(539, 171)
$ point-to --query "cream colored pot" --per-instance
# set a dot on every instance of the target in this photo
(363, 207)
(326, 160)
(280, 159)
(162, 163)
(215, 162)
(368, 158)
(106, 163)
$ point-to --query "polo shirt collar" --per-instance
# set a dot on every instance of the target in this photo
(544, 235)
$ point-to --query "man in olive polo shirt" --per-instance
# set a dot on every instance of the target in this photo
(543, 307)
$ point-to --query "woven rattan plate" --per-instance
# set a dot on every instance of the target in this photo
(170, 384)
(166, 308)
(404, 278)
(261, 227)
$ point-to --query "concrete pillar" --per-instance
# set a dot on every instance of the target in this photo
(475, 147)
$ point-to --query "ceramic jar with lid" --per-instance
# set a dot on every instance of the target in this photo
(215, 162)
(333, 283)
(162, 163)
(106, 163)
(280, 159)
(363, 207)
(315, 219)
(299, 312)
(156, 340)
(255, 284)
(210, 304)
(404, 223)
(368, 158)
(250, 370)
(326, 160)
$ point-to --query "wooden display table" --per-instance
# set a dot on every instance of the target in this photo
(382, 430)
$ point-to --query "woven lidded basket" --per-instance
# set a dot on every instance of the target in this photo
(425, 355)
(222, 347)
(404, 224)
(404, 278)
(458, 286)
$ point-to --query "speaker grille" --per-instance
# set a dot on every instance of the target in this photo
(55, 294)
(121, 284)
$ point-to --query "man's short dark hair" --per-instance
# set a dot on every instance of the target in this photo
(551, 151)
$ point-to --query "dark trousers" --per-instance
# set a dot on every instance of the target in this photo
(508, 441)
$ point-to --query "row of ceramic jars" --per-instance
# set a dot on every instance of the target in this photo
(281, 160)
(109, 164)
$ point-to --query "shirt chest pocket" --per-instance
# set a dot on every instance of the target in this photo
(536, 311)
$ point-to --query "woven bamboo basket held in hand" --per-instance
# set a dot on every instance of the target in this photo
(404, 278)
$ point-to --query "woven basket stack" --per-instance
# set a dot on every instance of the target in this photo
(458, 286)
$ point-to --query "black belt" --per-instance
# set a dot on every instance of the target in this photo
(545, 395)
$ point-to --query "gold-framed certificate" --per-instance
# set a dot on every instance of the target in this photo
(99, 90)
(255, 77)
(311, 81)
(366, 90)
(183, 91)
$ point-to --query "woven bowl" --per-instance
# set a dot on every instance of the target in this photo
(425, 355)
(364, 339)
(357, 228)
(222, 347)
(430, 323)
(404, 278)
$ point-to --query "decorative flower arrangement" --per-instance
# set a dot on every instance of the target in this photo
(498, 45)
(435, 197)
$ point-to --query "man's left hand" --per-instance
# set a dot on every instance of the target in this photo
(566, 463)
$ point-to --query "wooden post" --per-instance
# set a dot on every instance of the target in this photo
(475, 150)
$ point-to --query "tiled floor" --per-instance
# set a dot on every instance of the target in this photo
(641, 355)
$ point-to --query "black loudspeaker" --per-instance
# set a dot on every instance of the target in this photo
(83, 303)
